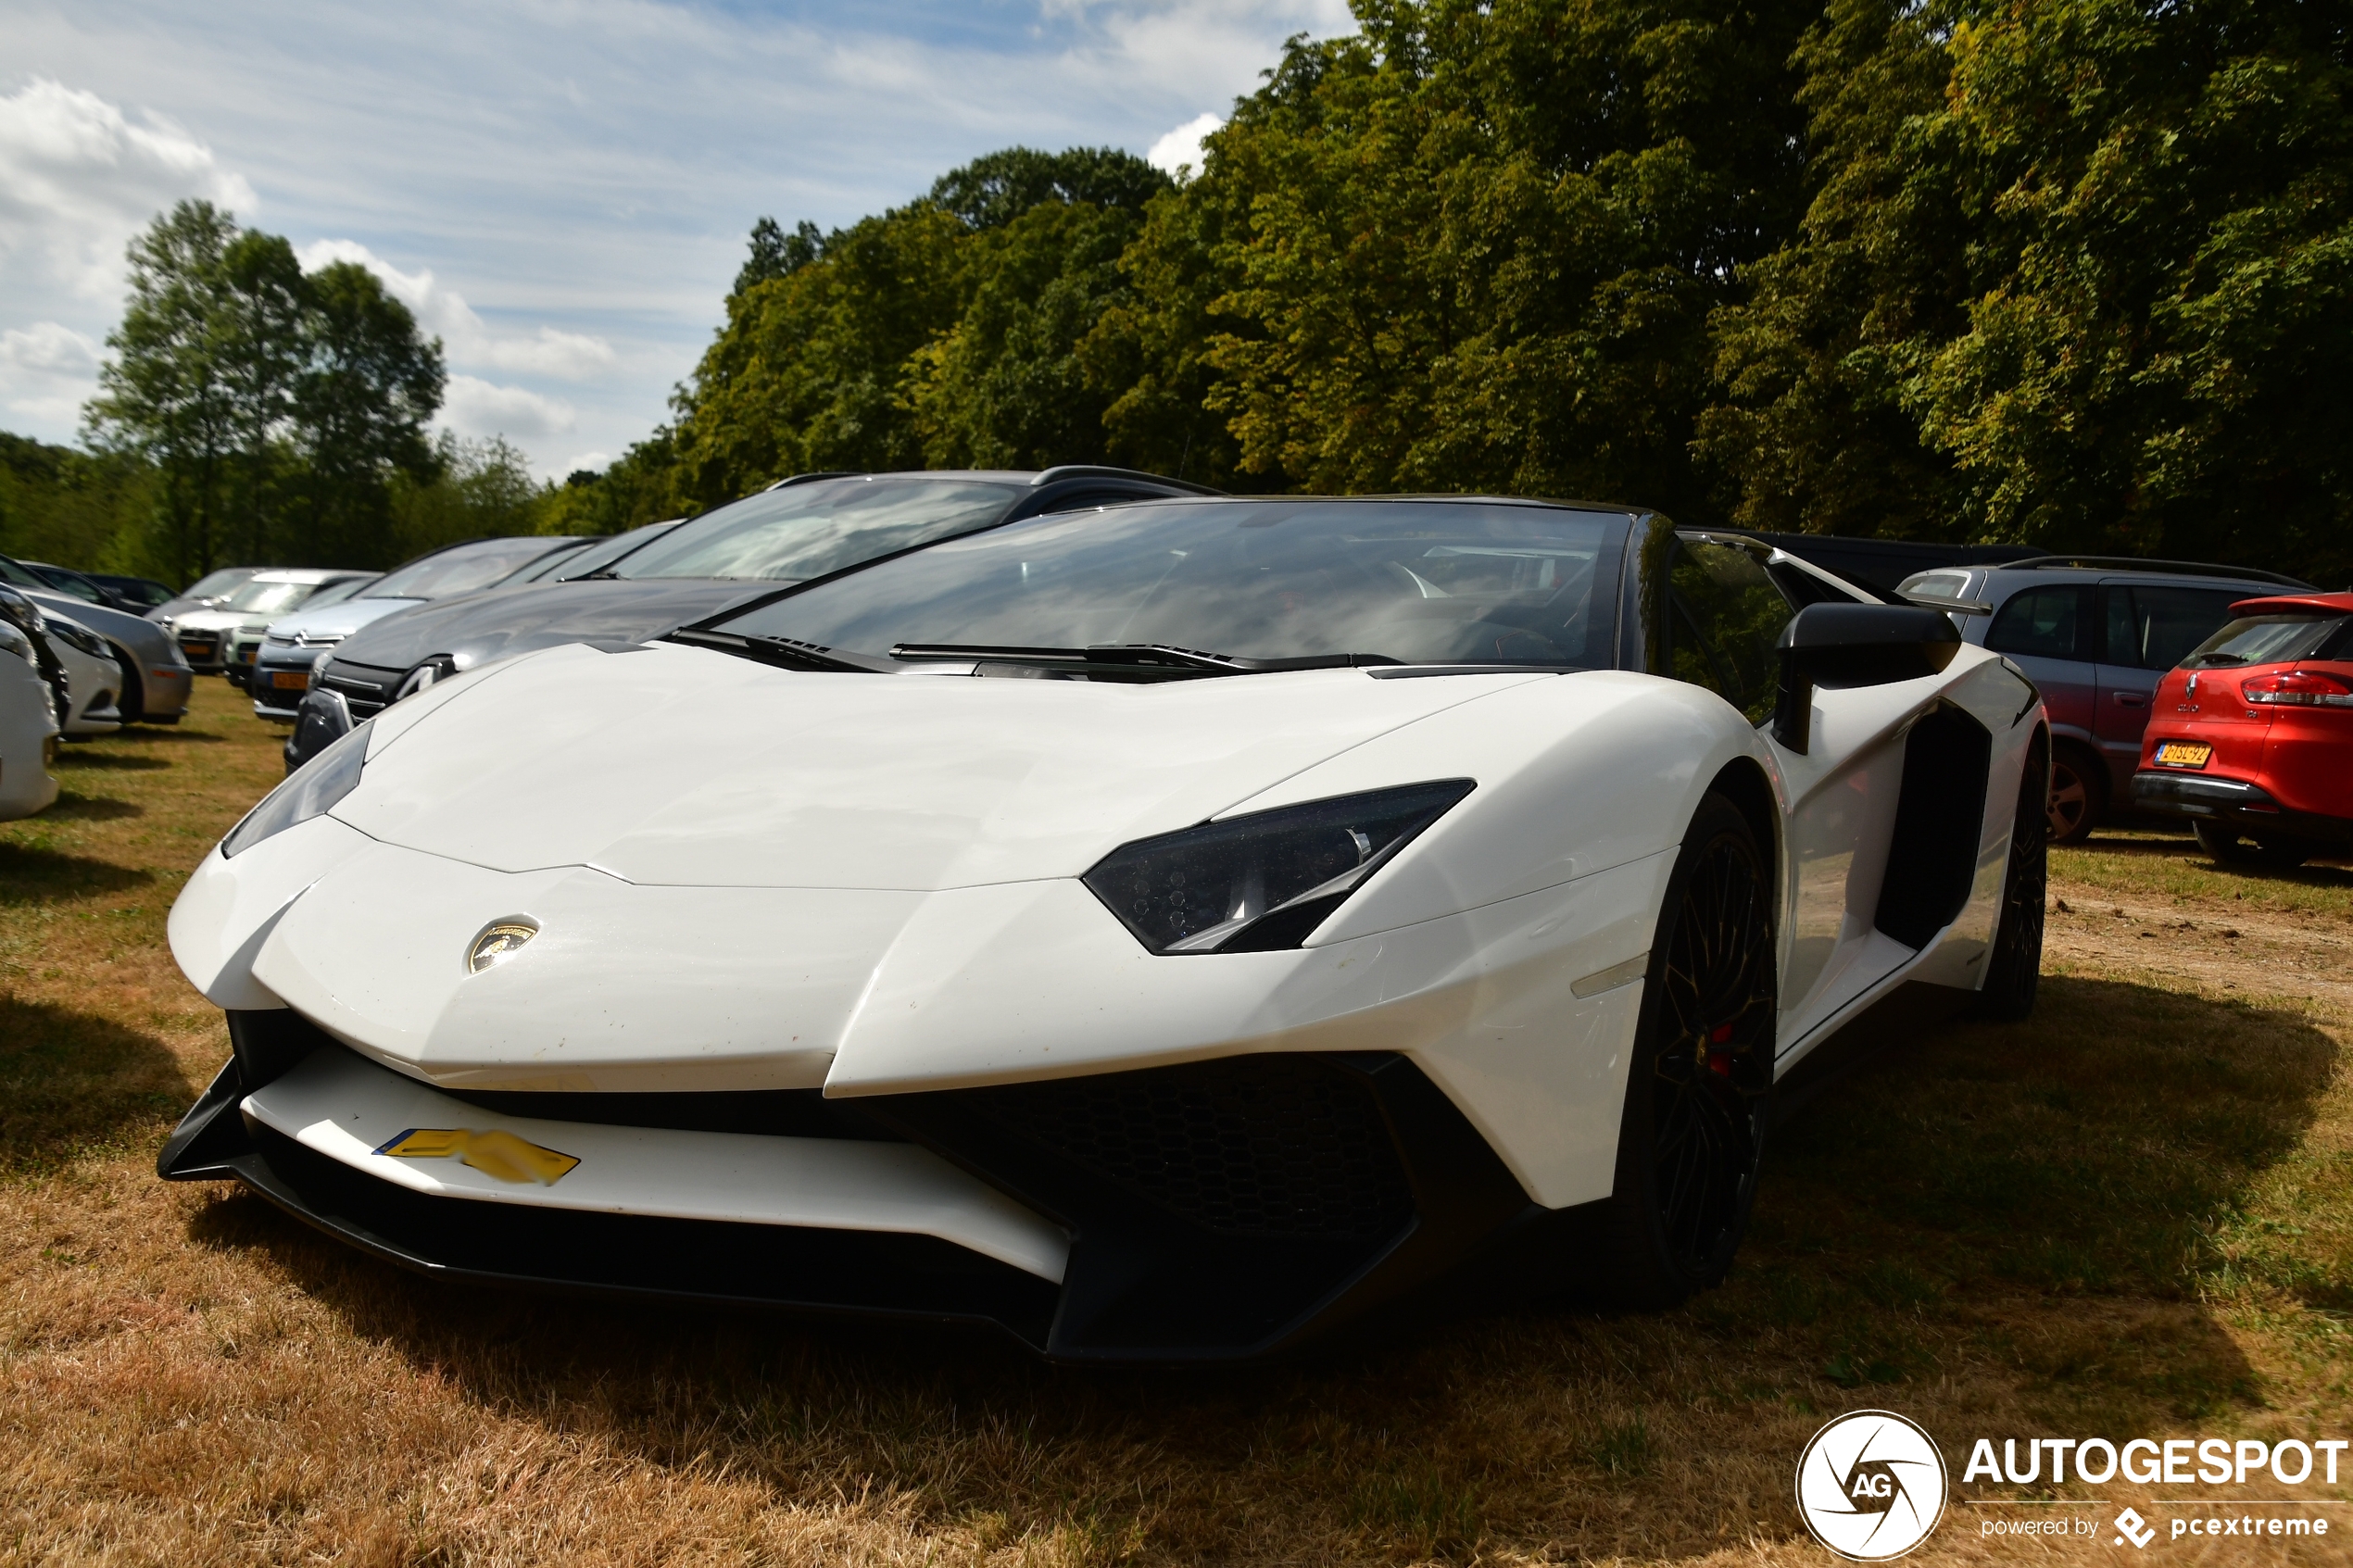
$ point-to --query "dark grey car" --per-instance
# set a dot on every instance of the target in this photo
(2096, 635)
(797, 530)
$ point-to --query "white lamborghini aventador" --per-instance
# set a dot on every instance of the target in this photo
(1168, 933)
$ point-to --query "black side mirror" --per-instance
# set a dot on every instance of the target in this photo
(1836, 645)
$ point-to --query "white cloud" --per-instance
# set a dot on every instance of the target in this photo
(468, 340)
(77, 179)
(476, 407)
(48, 371)
(1181, 147)
(590, 461)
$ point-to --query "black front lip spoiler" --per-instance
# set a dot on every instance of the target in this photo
(1473, 1237)
(2234, 803)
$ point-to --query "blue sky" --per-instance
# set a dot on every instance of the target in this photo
(560, 188)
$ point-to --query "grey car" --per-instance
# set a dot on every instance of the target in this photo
(797, 530)
(2096, 635)
(155, 678)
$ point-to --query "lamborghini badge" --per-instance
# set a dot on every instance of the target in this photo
(500, 941)
(499, 1154)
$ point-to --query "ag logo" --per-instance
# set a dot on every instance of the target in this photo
(1870, 1486)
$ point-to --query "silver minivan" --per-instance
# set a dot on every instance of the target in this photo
(2096, 633)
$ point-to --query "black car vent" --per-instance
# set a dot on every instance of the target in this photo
(1261, 1146)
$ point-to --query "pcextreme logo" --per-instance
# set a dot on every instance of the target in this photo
(1870, 1486)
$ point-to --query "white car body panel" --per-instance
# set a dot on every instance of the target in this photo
(346, 1111)
(937, 934)
(28, 724)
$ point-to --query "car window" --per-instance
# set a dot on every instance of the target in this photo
(270, 598)
(2157, 627)
(2276, 637)
(2046, 622)
(806, 531)
(461, 569)
(595, 557)
(17, 576)
(75, 583)
(1725, 623)
(213, 584)
(1418, 582)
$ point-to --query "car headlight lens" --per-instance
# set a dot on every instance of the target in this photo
(315, 786)
(13, 641)
(77, 636)
(1265, 880)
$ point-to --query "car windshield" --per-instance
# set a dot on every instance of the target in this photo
(595, 556)
(17, 576)
(350, 588)
(2273, 639)
(213, 584)
(806, 530)
(1416, 581)
(461, 569)
(262, 596)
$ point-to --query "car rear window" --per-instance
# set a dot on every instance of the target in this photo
(2048, 623)
(2155, 628)
(2274, 638)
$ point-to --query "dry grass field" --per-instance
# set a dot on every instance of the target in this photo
(2131, 1216)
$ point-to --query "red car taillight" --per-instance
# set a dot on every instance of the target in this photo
(2299, 688)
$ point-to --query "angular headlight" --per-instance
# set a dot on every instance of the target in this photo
(315, 786)
(74, 635)
(1266, 880)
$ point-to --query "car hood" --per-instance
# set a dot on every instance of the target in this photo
(339, 621)
(112, 624)
(672, 766)
(480, 627)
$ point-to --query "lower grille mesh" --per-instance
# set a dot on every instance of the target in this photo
(1265, 1145)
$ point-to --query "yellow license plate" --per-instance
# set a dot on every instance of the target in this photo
(290, 679)
(2184, 754)
(197, 650)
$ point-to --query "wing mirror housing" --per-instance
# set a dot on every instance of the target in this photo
(1840, 646)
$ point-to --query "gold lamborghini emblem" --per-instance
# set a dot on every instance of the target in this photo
(499, 1154)
(500, 941)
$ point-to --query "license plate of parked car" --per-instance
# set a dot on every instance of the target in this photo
(290, 679)
(2182, 754)
(197, 650)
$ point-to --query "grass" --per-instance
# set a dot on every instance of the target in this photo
(2172, 868)
(2132, 1215)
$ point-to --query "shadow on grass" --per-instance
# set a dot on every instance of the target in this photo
(70, 807)
(30, 873)
(2034, 1209)
(73, 1084)
(78, 757)
(165, 735)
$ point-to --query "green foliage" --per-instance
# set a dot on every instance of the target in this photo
(2079, 269)
(72, 508)
(274, 407)
(474, 489)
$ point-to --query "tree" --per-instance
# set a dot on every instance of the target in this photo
(2089, 286)
(273, 406)
(168, 394)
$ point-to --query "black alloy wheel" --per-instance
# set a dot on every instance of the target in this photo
(2014, 971)
(1692, 1137)
(2078, 794)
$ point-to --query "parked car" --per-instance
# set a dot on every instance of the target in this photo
(1884, 565)
(796, 530)
(295, 648)
(2252, 740)
(154, 680)
(207, 591)
(454, 569)
(1173, 933)
(94, 677)
(246, 642)
(136, 594)
(80, 586)
(28, 719)
(208, 636)
(2095, 634)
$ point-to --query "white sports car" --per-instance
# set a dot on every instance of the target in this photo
(1169, 933)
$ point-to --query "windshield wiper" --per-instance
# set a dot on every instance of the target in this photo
(784, 651)
(1162, 658)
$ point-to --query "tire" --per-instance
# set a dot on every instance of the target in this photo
(2227, 846)
(1692, 1137)
(2079, 794)
(2014, 971)
(134, 700)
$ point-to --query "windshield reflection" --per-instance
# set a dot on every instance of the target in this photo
(1418, 582)
(809, 530)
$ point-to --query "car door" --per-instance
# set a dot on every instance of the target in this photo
(2150, 627)
(2050, 631)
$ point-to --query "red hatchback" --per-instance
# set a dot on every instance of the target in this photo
(2250, 737)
